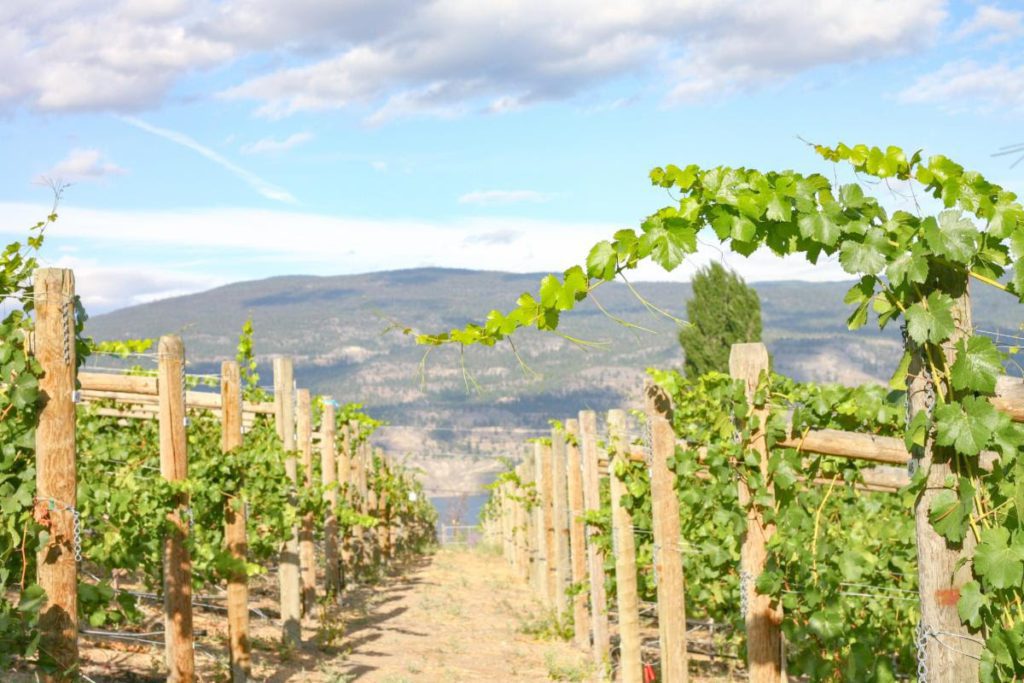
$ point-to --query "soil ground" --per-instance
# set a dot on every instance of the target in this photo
(458, 614)
(455, 615)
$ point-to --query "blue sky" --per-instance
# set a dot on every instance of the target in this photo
(211, 141)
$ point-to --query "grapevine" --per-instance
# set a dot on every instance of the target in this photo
(912, 268)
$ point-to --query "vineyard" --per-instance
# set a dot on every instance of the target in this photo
(733, 525)
(799, 556)
(133, 500)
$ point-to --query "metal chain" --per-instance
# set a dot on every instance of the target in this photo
(65, 313)
(921, 641)
(76, 533)
(744, 596)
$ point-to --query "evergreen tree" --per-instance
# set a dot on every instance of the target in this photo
(722, 311)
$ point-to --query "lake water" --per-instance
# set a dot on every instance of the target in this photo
(459, 509)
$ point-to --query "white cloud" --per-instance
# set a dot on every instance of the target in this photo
(993, 24)
(969, 86)
(399, 58)
(329, 245)
(79, 55)
(104, 288)
(262, 186)
(501, 197)
(273, 146)
(82, 165)
(452, 56)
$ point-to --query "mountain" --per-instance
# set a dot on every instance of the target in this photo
(345, 334)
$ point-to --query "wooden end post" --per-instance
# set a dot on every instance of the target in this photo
(630, 663)
(668, 556)
(747, 362)
(234, 528)
(178, 643)
(600, 639)
(942, 568)
(56, 473)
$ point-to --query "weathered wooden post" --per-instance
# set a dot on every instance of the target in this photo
(747, 362)
(522, 525)
(942, 568)
(540, 544)
(668, 556)
(577, 532)
(328, 472)
(56, 469)
(550, 544)
(307, 548)
(600, 638)
(288, 569)
(560, 512)
(178, 644)
(630, 663)
(382, 503)
(345, 494)
(234, 528)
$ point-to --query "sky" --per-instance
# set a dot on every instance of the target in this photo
(209, 141)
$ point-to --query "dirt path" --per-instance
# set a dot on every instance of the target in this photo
(459, 615)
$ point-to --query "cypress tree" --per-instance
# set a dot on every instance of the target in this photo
(722, 311)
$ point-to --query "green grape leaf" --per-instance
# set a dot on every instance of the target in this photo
(601, 261)
(950, 511)
(819, 227)
(909, 266)
(867, 256)
(931, 320)
(970, 604)
(952, 236)
(978, 364)
(997, 562)
(966, 426)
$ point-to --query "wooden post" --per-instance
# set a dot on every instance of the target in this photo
(550, 542)
(764, 635)
(56, 474)
(540, 567)
(234, 528)
(307, 549)
(345, 494)
(178, 645)
(523, 525)
(630, 663)
(288, 565)
(506, 523)
(560, 511)
(668, 556)
(942, 568)
(577, 532)
(600, 638)
(384, 523)
(328, 474)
